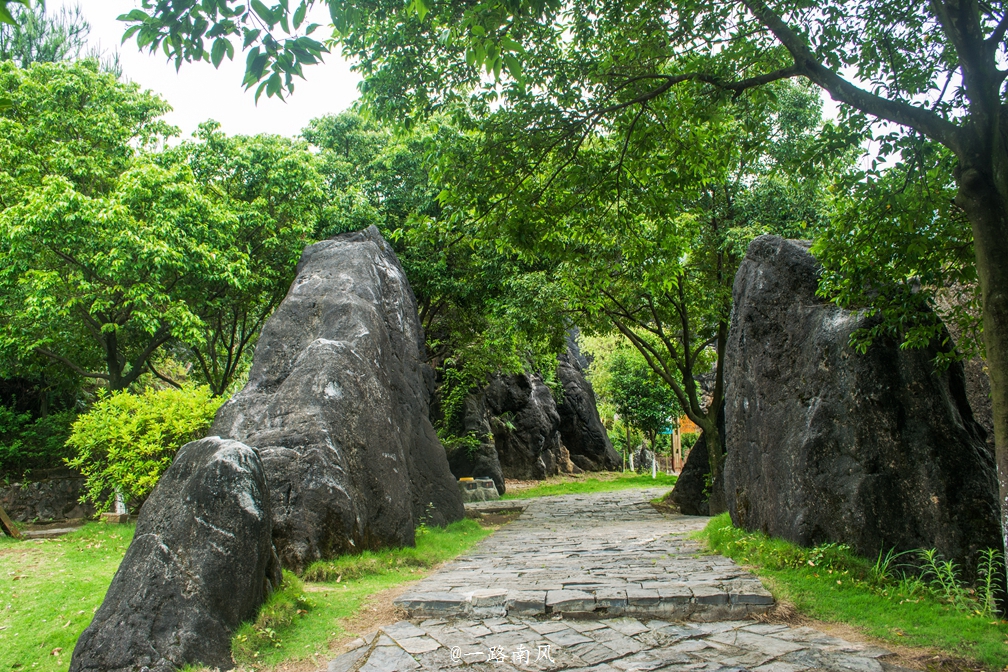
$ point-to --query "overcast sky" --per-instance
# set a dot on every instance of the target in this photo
(199, 92)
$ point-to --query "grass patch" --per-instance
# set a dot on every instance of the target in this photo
(830, 583)
(584, 484)
(51, 589)
(301, 619)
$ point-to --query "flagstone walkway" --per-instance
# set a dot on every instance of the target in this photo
(600, 582)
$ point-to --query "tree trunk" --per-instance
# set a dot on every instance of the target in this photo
(984, 205)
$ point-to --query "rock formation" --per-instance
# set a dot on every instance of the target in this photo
(581, 429)
(525, 425)
(690, 494)
(480, 460)
(200, 563)
(337, 406)
(524, 434)
(875, 450)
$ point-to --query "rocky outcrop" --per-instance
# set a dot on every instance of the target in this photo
(691, 491)
(525, 425)
(581, 429)
(477, 460)
(337, 406)
(51, 495)
(201, 563)
(643, 460)
(874, 450)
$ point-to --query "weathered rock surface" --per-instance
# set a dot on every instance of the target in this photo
(824, 444)
(690, 493)
(337, 405)
(525, 425)
(480, 461)
(581, 429)
(201, 562)
(643, 460)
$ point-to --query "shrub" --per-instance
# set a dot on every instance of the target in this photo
(27, 443)
(125, 442)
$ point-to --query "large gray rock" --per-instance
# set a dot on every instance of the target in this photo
(581, 429)
(691, 492)
(201, 563)
(522, 416)
(877, 451)
(337, 405)
(480, 459)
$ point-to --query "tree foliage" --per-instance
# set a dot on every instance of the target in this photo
(36, 36)
(273, 200)
(639, 396)
(114, 247)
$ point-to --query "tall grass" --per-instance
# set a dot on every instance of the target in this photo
(911, 598)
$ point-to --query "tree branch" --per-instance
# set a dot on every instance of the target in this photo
(163, 377)
(63, 360)
(806, 63)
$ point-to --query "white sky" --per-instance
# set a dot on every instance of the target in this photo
(199, 92)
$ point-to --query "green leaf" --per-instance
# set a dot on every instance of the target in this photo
(264, 12)
(130, 32)
(5, 103)
(299, 15)
(514, 67)
(217, 52)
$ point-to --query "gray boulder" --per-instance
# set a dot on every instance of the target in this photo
(643, 460)
(581, 429)
(690, 493)
(337, 406)
(525, 424)
(877, 451)
(478, 461)
(201, 563)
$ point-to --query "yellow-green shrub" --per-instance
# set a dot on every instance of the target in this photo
(126, 441)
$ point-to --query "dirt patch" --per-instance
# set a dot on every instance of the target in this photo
(915, 658)
(493, 520)
(665, 506)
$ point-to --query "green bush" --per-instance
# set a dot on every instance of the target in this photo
(27, 444)
(689, 440)
(125, 442)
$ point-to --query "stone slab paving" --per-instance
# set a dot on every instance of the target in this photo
(596, 582)
(604, 645)
(602, 554)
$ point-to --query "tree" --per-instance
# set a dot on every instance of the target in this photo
(68, 137)
(98, 284)
(647, 243)
(641, 398)
(273, 192)
(35, 36)
(74, 121)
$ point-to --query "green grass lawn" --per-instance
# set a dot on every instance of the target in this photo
(571, 485)
(831, 584)
(301, 620)
(51, 589)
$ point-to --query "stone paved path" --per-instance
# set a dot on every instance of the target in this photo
(600, 582)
